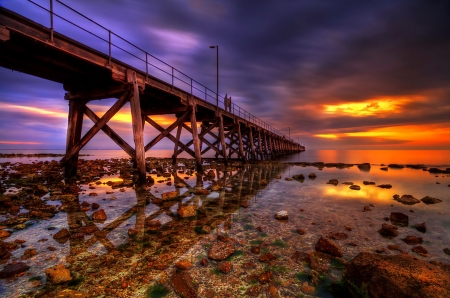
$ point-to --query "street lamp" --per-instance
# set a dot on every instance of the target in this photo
(217, 90)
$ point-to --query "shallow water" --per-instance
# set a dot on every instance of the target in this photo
(110, 262)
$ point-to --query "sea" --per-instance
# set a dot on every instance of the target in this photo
(239, 204)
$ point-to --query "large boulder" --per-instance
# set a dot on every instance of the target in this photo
(399, 276)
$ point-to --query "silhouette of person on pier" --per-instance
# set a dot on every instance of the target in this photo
(227, 103)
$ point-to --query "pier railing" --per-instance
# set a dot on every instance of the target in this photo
(121, 49)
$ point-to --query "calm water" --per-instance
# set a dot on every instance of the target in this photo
(102, 262)
(426, 157)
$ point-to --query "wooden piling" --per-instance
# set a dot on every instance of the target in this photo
(196, 141)
(74, 127)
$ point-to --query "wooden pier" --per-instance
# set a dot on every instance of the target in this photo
(88, 74)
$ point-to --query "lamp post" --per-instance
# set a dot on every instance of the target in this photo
(217, 89)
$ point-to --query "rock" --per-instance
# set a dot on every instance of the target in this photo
(315, 277)
(225, 267)
(355, 187)
(396, 166)
(167, 196)
(201, 192)
(408, 200)
(282, 215)
(204, 262)
(95, 206)
(384, 168)
(411, 240)
(219, 251)
(388, 231)
(265, 277)
(393, 247)
(307, 289)
(329, 247)
(58, 274)
(267, 257)
(347, 183)
(132, 232)
(182, 284)
(99, 215)
(300, 177)
(420, 250)
(367, 208)
(93, 194)
(187, 211)
(399, 219)
(387, 186)
(368, 183)
(312, 176)
(10, 270)
(184, 264)
(430, 200)
(272, 292)
(447, 251)
(4, 234)
(153, 224)
(255, 249)
(422, 227)
(372, 275)
(301, 231)
(61, 234)
(253, 291)
(337, 236)
(333, 181)
(263, 182)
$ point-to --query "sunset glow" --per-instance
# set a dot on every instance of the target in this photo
(18, 143)
(376, 106)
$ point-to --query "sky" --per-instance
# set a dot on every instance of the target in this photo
(333, 74)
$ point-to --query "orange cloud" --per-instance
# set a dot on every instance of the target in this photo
(18, 143)
(31, 110)
(376, 106)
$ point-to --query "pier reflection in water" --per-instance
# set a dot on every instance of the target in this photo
(143, 234)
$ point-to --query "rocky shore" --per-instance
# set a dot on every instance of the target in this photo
(233, 232)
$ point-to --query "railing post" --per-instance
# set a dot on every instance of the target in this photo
(172, 77)
(51, 20)
(109, 44)
(146, 65)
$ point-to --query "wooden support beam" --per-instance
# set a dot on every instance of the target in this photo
(75, 125)
(170, 137)
(109, 132)
(252, 144)
(260, 144)
(94, 129)
(175, 149)
(202, 134)
(222, 139)
(198, 154)
(241, 145)
(138, 128)
(266, 145)
(110, 91)
(167, 131)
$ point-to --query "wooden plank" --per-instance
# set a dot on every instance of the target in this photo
(74, 127)
(260, 144)
(198, 154)
(99, 93)
(138, 128)
(252, 145)
(111, 133)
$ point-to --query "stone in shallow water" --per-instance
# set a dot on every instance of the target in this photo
(408, 200)
(183, 285)
(396, 276)
(225, 267)
(64, 233)
(183, 264)
(388, 231)
(282, 215)
(411, 240)
(355, 187)
(99, 215)
(58, 274)
(430, 200)
(4, 234)
(399, 219)
(333, 181)
(421, 227)
(12, 269)
(187, 211)
(329, 247)
(420, 250)
(219, 251)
